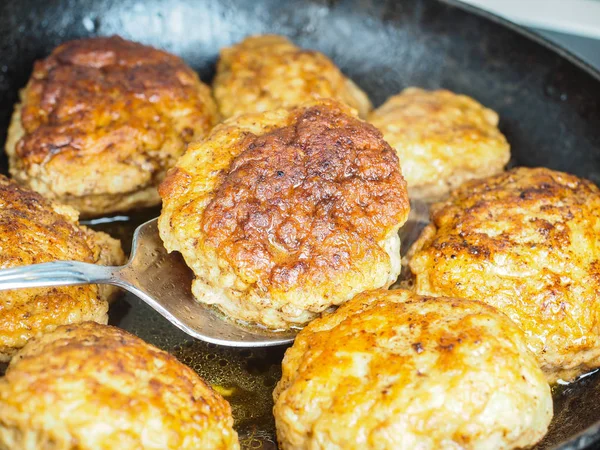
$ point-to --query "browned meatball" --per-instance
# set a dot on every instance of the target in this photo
(101, 120)
(96, 387)
(269, 72)
(394, 370)
(33, 230)
(286, 213)
(527, 242)
(443, 139)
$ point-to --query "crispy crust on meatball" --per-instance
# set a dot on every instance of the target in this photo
(267, 72)
(394, 370)
(32, 230)
(443, 139)
(528, 243)
(101, 120)
(284, 214)
(92, 386)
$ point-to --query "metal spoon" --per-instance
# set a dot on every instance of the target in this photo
(160, 279)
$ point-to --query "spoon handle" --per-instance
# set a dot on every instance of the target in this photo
(57, 273)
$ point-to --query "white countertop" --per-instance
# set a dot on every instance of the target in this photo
(580, 17)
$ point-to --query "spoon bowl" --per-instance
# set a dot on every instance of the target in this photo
(160, 279)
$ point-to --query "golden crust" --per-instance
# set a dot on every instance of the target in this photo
(92, 386)
(394, 370)
(283, 214)
(101, 120)
(267, 72)
(32, 230)
(528, 243)
(442, 139)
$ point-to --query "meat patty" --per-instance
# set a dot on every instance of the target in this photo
(394, 370)
(528, 243)
(101, 120)
(283, 214)
(442, 139)
(91, 386)
(34, 230)
(267, 72)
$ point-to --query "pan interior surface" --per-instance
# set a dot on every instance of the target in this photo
(549, 106)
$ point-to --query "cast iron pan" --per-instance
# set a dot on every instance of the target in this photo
(548, 101)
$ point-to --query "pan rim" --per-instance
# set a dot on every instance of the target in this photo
(525, 32)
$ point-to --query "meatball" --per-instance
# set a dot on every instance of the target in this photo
(528, 243)
(100, 122)
(283, 214)
(267, 72)
(442, 139)
(34, 230)
(91, 386)
(394, 370)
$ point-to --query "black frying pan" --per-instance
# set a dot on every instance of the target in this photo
(548, 101)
